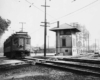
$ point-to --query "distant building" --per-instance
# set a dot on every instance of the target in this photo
(41, 50)
(66, 39)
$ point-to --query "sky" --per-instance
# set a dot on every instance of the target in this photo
(85, 12)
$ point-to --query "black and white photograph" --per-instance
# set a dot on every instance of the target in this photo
(49, 39)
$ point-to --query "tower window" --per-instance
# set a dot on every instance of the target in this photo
(63, 42)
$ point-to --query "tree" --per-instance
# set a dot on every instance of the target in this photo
(4, 25)
(83, 36)
(84, 32)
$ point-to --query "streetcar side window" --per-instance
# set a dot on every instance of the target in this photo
(7, 44)
(15, 41)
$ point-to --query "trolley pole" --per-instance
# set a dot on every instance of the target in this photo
(22, 25)
(45, 28)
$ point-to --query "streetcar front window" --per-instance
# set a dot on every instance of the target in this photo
(27, 41)
(21, 41)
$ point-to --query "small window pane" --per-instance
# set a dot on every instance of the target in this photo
(15, 40)
(63, 42)
(27, 41)
(21, 41)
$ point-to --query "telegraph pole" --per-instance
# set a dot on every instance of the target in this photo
(57, 38)
(45, 27)
(22, 25)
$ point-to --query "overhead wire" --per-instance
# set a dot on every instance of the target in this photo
(32, 4)
(76, 10)
(37, 30)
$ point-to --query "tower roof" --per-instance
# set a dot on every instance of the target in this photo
(65, 26)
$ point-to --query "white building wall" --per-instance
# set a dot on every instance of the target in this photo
(71, 46)
(74, 47)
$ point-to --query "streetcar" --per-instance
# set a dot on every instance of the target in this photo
(18, 45)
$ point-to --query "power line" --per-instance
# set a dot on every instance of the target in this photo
(37, 30)
(32, 4)
(66, 14)
(77, 10)
(53, 22)
(28, 1)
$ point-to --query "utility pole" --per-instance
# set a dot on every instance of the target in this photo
(22, 25)
(45, 28)
(57, 34)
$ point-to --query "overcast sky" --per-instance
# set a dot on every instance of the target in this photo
(85, 12)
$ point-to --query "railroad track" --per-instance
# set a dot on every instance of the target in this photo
(92, 61)
(79, 67)
(75, 67)
(86, 68)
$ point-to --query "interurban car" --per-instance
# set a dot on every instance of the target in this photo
(17, 45)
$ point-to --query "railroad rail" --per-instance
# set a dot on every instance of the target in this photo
(92, 61)
(86, 68)
(76, 66)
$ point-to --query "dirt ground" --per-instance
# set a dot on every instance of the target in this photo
(38, 72)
